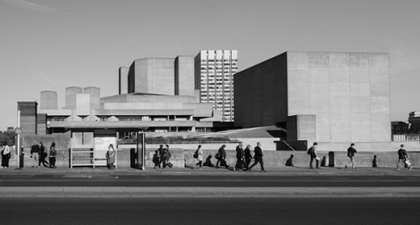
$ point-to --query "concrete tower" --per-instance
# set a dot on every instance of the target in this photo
(49, 100)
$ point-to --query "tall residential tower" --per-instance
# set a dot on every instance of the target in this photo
(214, 70)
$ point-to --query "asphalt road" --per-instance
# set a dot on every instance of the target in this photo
(73, 180)
(204, 211)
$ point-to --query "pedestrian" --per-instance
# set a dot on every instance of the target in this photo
(35, 154)
(160, 149)
(350, 153)
(164, 157)
(312, 153)
(221, 157)
(239, 157)
(5, 155)
(156, 158)
(110, 156)
(198, 154)
(42, 155)
(402, 156)
(258, 156)
(53, 154)
(168, 156)
(289, 161)
(248, 156)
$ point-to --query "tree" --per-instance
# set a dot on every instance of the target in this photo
(8, 136)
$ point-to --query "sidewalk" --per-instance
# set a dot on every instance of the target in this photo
(207, 171)
(213, 192)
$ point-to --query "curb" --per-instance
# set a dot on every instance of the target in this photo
(194, 192)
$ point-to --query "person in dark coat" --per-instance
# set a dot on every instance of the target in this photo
(239, 157)
(42, 155)
(221, 158)
(403, 156)
(53, 154)
(351, 151)
(312, 153)
(258, 156)
(248, 156)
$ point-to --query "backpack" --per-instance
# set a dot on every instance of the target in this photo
(309, 151)
(195, 154)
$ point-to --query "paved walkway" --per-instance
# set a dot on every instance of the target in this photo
(214, 192)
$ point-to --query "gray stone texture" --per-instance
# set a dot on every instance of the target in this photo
(48, 100)
(152, 75)
(184, 75)
(123, 80)
(348, 93)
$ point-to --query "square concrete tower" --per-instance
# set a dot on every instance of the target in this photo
(49, 100)
(152, 75)
(348, 94)
(184, 75)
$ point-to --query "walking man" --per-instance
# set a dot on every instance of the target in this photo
(402, 156)
(312, 153)
(258, 156)
(350, 153)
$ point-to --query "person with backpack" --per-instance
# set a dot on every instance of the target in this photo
(402, 156)
(312, 153)
(198, 154)
(350, 153)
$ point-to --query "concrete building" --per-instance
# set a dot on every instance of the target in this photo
(214, 72)
(123, 80)
(121, 113)
(49, 100)
(331, 97)
(414, 120)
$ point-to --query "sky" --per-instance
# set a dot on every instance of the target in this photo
(54, 44)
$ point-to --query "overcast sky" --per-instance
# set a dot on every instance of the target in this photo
(53, 44)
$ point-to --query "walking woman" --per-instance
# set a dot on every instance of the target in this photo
(53, 154)
(199, 154)
(110, 156)
(5, 155)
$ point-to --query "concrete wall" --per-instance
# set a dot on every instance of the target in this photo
(348, 92)
(261, 94)
(95, 96)
(181, 157)
(301, 127)
(184, 75)
(48, 100)
(71, 93)
(153, 75)
(28, 117)
(123, 79)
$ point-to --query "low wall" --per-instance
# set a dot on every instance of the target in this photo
(181, 157)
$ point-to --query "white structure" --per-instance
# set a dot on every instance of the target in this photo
(214, 70)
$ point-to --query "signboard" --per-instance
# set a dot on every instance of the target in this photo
(101, 147)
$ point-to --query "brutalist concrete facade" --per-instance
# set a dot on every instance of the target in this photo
(123, 80)
(152, 75)
(348, 93)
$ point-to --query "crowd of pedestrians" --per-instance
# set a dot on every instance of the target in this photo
(161, 157)
(246, 160)
(38, 154)
(243, 158)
